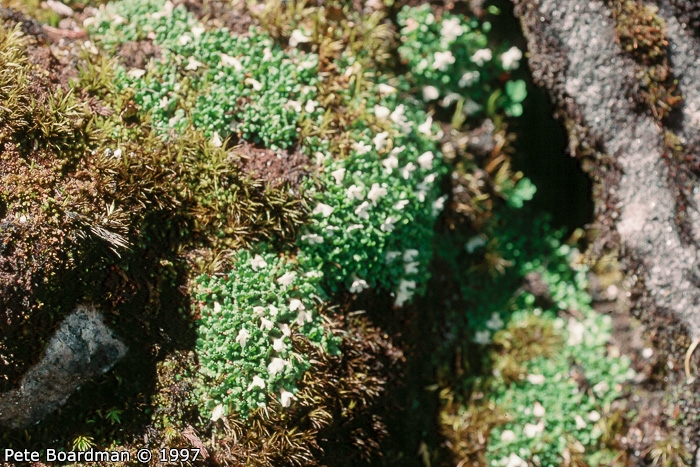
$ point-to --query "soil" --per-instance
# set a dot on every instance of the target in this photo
(231, 14)
(276, 168)
(137, 54)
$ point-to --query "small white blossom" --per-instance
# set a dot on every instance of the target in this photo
(601, 388)
(398, 117)
(531, 430)
(184, 39)
(390, 163)
(258, 382)
(468, 78)
(507, 436)
(297, 38)
(296, 304)
(450, 99)
(580, 422)
(303, 317)
(593, 416)
(256, 85)
(310, 106)
(474, 243)
(439, 205)
(511, 58)
(430, 93)
(354, 192)
(338, 175)
(443, 60)
(358, 285)
(535, 379)
(294, 105)
(482, 337)
(391, 256)
(216, 140)
(481, 56)
(276, 365)
(217, 413)
(403, 296)
(354, 227)
(259, 311)
(407, 170)
(380, 140)
(267, 54)
(273, 310)
(242, 337)
(286, 398)
(397, 151)
(284, 327)
(411, 268)
(386, 89)
(287, 278)
(576, 330)
(381, 112)
(278, 345)
(425, 160)
(376, 192)
(193, 64)
(217, 305)
(515, 461)
(136, 73)
(362, 211)
(410, 255)
(388, 224)
(197, 31)
(407, 285)
(401, 204)
(266, 324)
(313, 239)
(362, 148)
(538, 410)
(495, 323)
(426, 127)
(323, 209)
(451, 29)
(258, 263)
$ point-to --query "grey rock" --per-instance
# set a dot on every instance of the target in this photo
(83, 347)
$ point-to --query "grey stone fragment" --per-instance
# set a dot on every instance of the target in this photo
(83, 347)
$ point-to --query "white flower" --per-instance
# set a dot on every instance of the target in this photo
(397, 151)
(310, 106)
(313, 239)
(407, 170)
(531, 430)
(354, 192)
(411, 268)
(535, 379)
(407, 285)
(217, 413)
(258, 382)
(390, 163)
(258, 263)
(430, 93)
(217, 305)
(362, 211)
(381, 112)
(323, 209)
(273, 310)
(197, 31)
(451, 29)
(284, 327)
(266, 324)
(468, 78)
(601, 388)
(362, 148)
(380, 140)
(511, 59)
(391, 256)
(193, 64)
(287, 278)
(426, 127)
(450, 99)
(386, 89)
(398, 117)
(410, 255)
(401, 204)
(593, 416)
(242, 337)
(495, 323)
(279, 345)
(297, 38)
(515, 461)
(482, 337)
(470, 107)
(439, 204)
(576, 330)
(580, 422)
(259, 311)
(267, 54)
(443, 60)
(376, 192)
(507, 436)
(403, 296)
(388, 224)
(136, 73)
(216, 140)
(296, 304)
(227, 60)
(276, 365)
(257, 86)
(475, 242)
(538, 410)
(286, 398)
(358, 285)
(425, 160)
(184, 39)
(338, 175)
(354, 227)
(481, 56)
(294, 105)
(303, 317)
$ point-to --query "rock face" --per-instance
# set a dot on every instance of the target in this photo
(82, 348)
